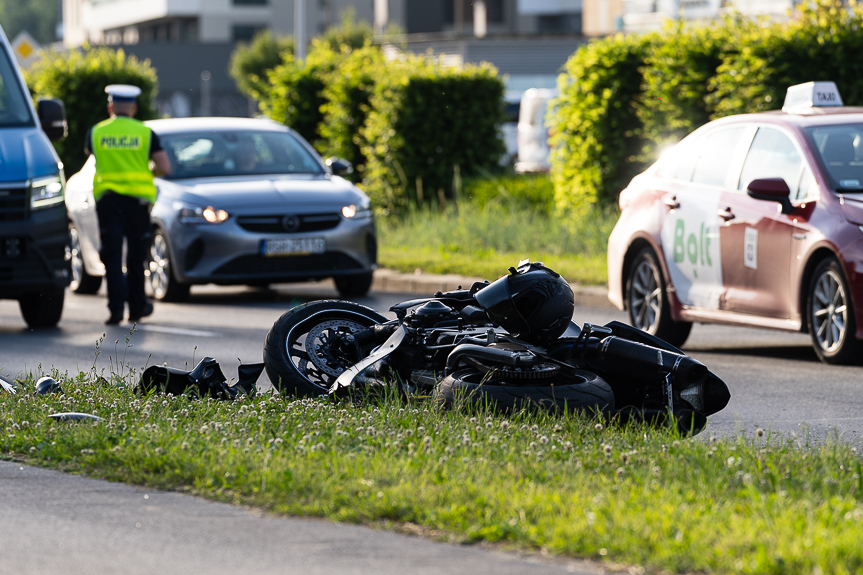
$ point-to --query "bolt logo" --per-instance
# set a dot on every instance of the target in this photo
(694, 248)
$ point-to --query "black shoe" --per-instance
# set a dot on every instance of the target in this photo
(114, 319)
(145, 311)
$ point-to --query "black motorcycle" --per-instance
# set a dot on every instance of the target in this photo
(510, 344)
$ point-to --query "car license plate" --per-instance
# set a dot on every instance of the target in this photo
(293, 247)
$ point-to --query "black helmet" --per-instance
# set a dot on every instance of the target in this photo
(533, 303)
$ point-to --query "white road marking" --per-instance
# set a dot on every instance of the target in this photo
(176, 330)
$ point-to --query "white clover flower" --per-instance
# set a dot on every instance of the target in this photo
(598, 427)
(543, 439)
(504, 424)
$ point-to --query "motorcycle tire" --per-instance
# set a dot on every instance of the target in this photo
(585, 391)
(290, 367)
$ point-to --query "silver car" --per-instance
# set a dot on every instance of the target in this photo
(248, 202)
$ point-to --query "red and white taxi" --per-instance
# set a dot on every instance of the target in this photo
(751, 220)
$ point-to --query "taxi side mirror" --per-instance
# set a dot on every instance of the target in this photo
(771, 190)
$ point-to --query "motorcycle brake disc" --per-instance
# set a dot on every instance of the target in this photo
(319, 343)
(535, 371)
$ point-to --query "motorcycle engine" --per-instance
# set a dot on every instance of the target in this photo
(431, 314)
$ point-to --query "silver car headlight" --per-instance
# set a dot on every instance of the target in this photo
(46, 192)
(196, 215)
(363, 210)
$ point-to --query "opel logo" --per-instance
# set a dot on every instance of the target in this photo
(291, 223)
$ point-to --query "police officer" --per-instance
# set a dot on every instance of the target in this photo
(124, 192)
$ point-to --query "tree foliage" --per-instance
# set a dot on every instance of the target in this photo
(79, 77)
(38, 17)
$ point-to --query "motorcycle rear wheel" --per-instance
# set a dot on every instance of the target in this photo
(297, 356)
(585, 391)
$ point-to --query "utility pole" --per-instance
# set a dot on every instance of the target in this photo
(299, 30)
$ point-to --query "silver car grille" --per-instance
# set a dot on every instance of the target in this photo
(289, 223)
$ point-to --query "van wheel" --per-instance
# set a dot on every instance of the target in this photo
(41, 310)
(163, 282)
(647, 302)
(82, 282)
(831, 315)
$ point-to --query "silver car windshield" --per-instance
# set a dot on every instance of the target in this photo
(841, 152)
(236, 153)
(14, 112)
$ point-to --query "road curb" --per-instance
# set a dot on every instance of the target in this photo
(427, 284)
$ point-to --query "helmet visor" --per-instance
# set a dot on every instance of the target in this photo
(496, 300)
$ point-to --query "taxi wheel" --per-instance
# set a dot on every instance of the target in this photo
(831, 315)
(647, 303)
(162, 280)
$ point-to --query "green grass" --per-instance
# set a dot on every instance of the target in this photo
(562, 484)
(485, 241)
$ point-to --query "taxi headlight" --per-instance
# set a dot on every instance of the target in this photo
(194, 215)
(46, 192)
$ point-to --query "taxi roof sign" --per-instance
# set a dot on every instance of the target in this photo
(812, 95)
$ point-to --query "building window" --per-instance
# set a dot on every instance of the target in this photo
(250, 2)
(245, 33)
(494, 10)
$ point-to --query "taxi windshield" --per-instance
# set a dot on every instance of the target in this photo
(841, 151)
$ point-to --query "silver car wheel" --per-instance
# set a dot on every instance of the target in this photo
(76, 261)
(829, 311)
(644, 297)
(159, 266)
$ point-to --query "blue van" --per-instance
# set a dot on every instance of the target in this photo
(35, 252)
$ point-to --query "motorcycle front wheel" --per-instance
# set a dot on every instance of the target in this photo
(305, 351)
(581, 391)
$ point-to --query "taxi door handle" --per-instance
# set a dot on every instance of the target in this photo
(726, 214)
(672, 203)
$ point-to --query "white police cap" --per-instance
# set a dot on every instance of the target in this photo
(122, 92)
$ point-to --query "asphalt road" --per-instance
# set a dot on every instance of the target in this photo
(59, 523)
(776, 381)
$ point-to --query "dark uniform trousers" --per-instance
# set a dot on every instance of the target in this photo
(124, 216)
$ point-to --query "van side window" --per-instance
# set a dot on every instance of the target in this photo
(713, 163)
(772, 155)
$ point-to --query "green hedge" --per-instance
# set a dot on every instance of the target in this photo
(293, 94)
(824, 43)
(597, 134)
(250, 63)
(428, 126)
(411, 127)
(345, 105)
(624, 98)
(79, 77)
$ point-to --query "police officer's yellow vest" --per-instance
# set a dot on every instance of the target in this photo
(122, 149)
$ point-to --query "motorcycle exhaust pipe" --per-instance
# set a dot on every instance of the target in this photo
(643, 362)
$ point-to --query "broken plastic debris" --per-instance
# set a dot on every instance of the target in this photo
(205, 380)
(47, 385)
(73, 416)
(7, 386)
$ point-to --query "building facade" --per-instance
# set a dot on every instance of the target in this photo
(634, 16)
